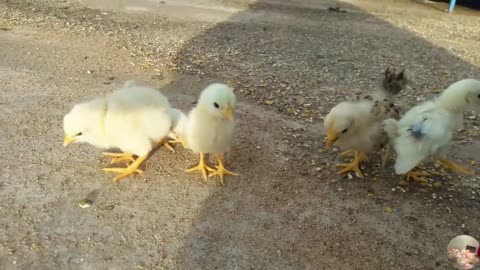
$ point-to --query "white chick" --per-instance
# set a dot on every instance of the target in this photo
(179, 124)
(357, 124)
(134, 119)
(427, 129)
(210, 127)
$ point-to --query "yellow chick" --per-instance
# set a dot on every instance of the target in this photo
(427, 130)
(134, 119)
(210, 127)
(357, 124)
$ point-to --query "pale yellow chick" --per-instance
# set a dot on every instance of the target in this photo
(134, 119)
(210, 128)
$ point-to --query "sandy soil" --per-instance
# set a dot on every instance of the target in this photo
(289, 64)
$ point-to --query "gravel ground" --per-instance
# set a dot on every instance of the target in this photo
(289, 63)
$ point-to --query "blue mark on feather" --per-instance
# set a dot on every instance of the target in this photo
(418, 130)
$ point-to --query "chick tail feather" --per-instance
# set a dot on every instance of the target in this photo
(392, 83)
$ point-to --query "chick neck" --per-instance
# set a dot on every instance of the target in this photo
(453, 100)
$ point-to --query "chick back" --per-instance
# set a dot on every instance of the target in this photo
(135, 118)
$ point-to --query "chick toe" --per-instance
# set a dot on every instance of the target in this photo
(168, 146)
(178, 140)
(201, 167)
(456, 167)
(124, 172)
(348, 153)
(119, 157)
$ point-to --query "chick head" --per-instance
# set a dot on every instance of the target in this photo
(338, 122)
(82, 121)
(473, 91)
(219, 100)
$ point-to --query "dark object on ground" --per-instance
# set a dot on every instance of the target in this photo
(336, 9)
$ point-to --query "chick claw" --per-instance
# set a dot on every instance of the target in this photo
(456, 167)
(354, 165)
(418, 177)
(119, 157)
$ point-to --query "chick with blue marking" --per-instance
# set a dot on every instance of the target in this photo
(426, 131)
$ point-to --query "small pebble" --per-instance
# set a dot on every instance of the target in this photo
(85, 203)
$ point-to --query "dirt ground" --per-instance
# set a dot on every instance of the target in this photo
(290, 62)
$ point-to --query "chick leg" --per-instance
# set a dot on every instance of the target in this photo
(354, 165)
(124, 172)
(119, 157)
(221, 171)
(418, 177)
(201, 167)
(456, 167)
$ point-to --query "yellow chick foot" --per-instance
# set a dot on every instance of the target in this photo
(221, 171)
(456, 167)
(201, 167)
(354, 166)
(124, 172)
(119, 157)
(418, 177)
(178, 140)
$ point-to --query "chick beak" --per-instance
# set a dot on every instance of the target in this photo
(229, 113)
(332, 136)
(67, 140)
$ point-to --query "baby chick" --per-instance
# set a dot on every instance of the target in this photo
(427, 129)
(357, 124)
(134, 119)
(210, 126)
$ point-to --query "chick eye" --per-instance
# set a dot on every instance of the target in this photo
(345, 130)
(216, 105)
(79, 134)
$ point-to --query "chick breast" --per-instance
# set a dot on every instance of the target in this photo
(207, 134)
(135, 118)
